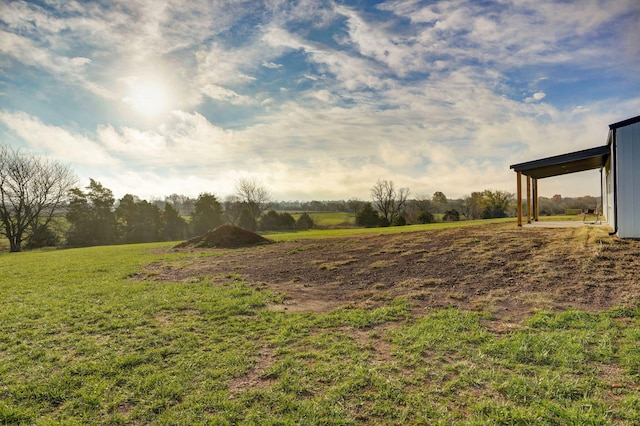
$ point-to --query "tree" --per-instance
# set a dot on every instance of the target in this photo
(422, 203)
(273, 221)
(426, 217)
(368, 217)
(304, 222)
(254, 196)
(182, 203)
(125, 214)
(207, 214)
(32, 190)
(471, 206)
(91, 217)
(175, 227)
(355, 206)
(415, 207)
(269, 221)
(232, 210)
(389, 201)
(400, 221)
(451, 216)
(495, 203)
(247, 221)
(439, 201)
(140, 221)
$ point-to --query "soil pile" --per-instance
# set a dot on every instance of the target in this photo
(225, 236)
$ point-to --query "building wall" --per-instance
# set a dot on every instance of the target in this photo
(607, 193)
(627, 159)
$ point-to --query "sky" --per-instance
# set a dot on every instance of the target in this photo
(316, 100)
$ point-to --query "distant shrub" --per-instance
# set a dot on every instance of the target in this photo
(368, 217)
(247, 221)
(492, 212)
(451, 216)
(426, 217)
(43, 237)
(304, 222)
(400, 221)
(273, 221)
(286, 221)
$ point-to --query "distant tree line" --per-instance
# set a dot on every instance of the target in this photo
(41, 206)
(95, 217)
(391, 206)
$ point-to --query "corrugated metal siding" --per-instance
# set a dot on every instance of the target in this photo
(607, 191)
(628, 176)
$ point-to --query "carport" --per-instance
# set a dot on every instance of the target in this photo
(579, 161)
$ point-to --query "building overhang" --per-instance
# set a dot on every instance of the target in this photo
(573, 162)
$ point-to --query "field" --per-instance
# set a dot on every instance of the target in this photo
(330, 219)
(481, 324)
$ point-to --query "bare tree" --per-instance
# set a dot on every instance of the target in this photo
(439, 202)
(471, 205)
(355, 206)
(255, 197)
(389, 201)
(31, 192)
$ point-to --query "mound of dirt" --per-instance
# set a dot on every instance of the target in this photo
(225, 236)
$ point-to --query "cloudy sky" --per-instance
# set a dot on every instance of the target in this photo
(315, 99)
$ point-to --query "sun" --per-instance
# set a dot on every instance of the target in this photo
(147, 97)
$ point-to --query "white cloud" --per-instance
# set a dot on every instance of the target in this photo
(538, 96)
(55, 141)
(271, 65)
(223, 94)
(433, 97)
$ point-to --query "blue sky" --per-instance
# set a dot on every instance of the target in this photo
(316, 99)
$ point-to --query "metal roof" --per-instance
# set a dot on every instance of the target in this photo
(579, 161)
(624, 123)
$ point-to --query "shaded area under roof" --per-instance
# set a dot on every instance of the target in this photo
(579, 161)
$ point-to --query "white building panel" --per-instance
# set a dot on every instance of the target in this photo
(628, 180)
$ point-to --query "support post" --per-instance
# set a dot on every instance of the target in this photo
(535, 200)
(528, 199)
(519, 191)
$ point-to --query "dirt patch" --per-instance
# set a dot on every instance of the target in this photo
(225, 236)
(499, 268)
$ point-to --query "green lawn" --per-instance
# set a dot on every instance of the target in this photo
(324, 219)
(84, 342)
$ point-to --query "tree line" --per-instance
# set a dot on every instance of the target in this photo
(40, 205)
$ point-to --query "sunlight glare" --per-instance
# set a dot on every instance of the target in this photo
(148, 98)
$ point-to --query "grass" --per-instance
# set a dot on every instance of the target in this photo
(83, 342)
(327, 219)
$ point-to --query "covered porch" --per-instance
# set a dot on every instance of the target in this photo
(579, 161)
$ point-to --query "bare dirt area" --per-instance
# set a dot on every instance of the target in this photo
(499, 268)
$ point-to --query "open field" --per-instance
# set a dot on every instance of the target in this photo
(484, 324)
(329, 219)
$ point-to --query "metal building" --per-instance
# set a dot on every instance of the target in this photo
(619, 164)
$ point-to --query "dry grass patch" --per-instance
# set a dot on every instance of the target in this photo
(379, 264)
(422, 282)
(330, 266)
